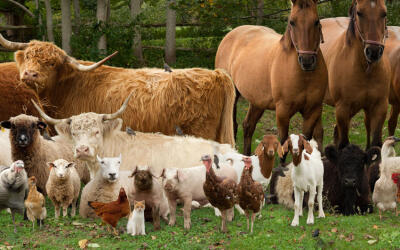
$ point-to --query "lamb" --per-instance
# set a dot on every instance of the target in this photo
(13, 188)
(28, 145)
(187, 185)
(105, 186)
(148, 187)
(63, 186)
(307, 175)
(35, 204)
(385, 191)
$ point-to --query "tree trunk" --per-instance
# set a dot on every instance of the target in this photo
(102, 17)
(66, 27)
(49, 21)
(39, 18)
(135, 6)
(170, 43)
(77, 16)
(260, 12)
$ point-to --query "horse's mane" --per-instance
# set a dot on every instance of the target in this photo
(350, 34)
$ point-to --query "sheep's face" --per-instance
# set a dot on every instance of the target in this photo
(61, 168)
(170, 177)
(24, 129)
(143, 177)
(109, 168)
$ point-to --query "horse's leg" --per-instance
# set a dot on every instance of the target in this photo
(343, 116)
(310, 121)
(378, 116)
(394, 115)
(235, 124)
(282, 121)
(367, 122)
(319, 134)
(249, 125)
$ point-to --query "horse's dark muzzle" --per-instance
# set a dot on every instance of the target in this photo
(373, 52)
(308, 62)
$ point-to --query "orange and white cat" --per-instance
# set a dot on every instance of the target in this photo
(136, 219)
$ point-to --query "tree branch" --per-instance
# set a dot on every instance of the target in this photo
(22, 7)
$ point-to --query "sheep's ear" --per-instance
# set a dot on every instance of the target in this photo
(163, 173)
(6, 124)
(285, 146)
(51, 165)
(306, 145)
(331, 153)
(260, 149)
(133, 173)
(373, 155)
(71, 164)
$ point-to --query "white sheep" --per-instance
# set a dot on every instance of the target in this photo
(186, 184)
(63, 186)
(13, 188)
(5, 152)
(385, 190)
(105, 186)
(307, 175)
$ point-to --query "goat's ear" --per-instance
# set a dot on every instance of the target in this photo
(285, 146)
(133, 172)
(373, 155)
(6, 124)
(306, 145)
(260, 149)
(331, 153)
(280, 150)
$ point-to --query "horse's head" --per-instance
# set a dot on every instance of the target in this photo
(304, 32)
(368, 24)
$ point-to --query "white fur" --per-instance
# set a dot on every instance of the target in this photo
(385, 190)
(136, 225)
(307, 176)
(5, 152)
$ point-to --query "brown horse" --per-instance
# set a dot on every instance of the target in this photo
(359, 71)
(392, 50)
(282, 72)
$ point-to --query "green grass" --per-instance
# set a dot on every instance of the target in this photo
(273, 230)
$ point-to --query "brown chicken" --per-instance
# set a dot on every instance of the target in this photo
(112, 212)
(35, 204)
(220, 192)
(250, 193)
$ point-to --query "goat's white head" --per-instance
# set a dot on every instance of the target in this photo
(296, 144)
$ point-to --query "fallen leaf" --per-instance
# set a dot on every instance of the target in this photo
(334, 230)
(145, 245)
(341, 236)
(153, 237)
(370, 242)
(350, 237)
(76, 223)
(302, 237)
(93, 245)
(375, 227)
(367, 236)
(6, 243)
(83, 243)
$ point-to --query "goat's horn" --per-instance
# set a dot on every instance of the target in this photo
(120, 111)
(12, 45)
(82, 67)
(45, 116)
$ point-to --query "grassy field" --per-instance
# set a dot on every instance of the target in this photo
(273, 230)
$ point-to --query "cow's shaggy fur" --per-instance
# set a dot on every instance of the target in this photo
(199, 101)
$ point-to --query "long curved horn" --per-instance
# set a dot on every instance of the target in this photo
(12, 45)
(44, 116)
(120, 111)
(82, 67)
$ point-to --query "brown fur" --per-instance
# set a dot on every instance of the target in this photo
(250, 192)
(40, 151)
(265, 70)
(266, 153)
(199, 101)
(35, 202)
(355, 84)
